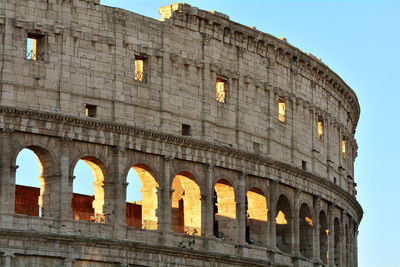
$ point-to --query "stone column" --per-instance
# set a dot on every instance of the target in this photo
(7, 259)
(351, 244)
(341, 248)
(241, 208)
(273, 187)
(164, 198)
(317, 208)
(344, 251)
(49, 199)
(356, 247)
(331, 236)
(108, 202)
(296, 224)
(68, 262)
(207, 209)
(66, 213)
(314, 152)
(119, 194)
(7, 193)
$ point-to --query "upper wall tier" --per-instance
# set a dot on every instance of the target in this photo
(107, 64)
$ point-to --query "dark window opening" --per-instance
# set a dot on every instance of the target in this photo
(185, 130)
(215, 211)
(90, 111)
(304, 165)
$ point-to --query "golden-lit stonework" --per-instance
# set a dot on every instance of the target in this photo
(243, 144)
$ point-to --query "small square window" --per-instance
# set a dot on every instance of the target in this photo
(35, 47)
(140, 68)
(320, 128)
(220, 95)
(281, 110)
(90, 111)
(185, 130)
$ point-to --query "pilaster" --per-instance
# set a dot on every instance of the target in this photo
(241, 208)
(164, 198)
(119, 194)
(317, 208)
(7, 179)
(273, 187)
(207, 202)
(296, 224)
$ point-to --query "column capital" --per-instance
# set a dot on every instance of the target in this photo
(7, 131)
(209, 165)
(297, 193)
(119, 150)
(167, 158)
(242, 174)
(8, 254)
(65, 139)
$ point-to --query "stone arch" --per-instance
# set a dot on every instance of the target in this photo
(142, 213)
(91, 208)
(224, 210)
(306, 225)
(323, 236)
(186, 204)
(337, 242)
(148, 166)
(35, 201)
(284, 224)
(256, 216)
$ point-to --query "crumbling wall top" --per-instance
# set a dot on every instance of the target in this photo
(168, 11)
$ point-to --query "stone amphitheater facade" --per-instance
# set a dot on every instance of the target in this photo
(244, 144)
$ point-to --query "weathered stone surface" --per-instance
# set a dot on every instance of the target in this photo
(81, 95)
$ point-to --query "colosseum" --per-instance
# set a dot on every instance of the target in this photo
(243, 144)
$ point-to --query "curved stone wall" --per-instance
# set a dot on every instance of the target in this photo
(243, 143)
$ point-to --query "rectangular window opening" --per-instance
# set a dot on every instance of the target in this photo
(256, 147)
(320, 128)
(139, 65)
(281, 110)
(304, 165)
(90, 111)
(344, 144)
(185, 130)
(220, 90)
(35, 47)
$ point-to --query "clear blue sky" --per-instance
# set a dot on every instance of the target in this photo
(360, 41)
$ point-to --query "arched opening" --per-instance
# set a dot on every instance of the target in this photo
(141, 198)
(224, 211)
(323, 237)
(337, 242)
(186, 205)
(257, 212)
(88, 191)
(306, 231)
(29, 183)
(283, 224)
